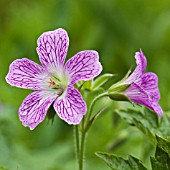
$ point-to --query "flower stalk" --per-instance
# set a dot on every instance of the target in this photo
(82, 147)
(93, 103)
(77, 142)
(81, 132)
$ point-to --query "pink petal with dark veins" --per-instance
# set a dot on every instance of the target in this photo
(149, 82)
(71, 107)
(84, 65)
(34, 108)
(140, 68)
(25, 73)
(138, 95)
(52, 47)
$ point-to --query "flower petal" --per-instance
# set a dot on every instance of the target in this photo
(157, 108)
(84, 65)
(25, 73)
(71, 107)
(52, 47)
(140, 68)
(149, 83)
(34, 108)
(140, 96)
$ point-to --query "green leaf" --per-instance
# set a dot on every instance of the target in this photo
(161, 160)
(145, 130)
(151, 118)
(164, 144)
(137, 118)
(145, 120)
(101, 80)
(129, 114)
(135, 163)
(118, 163)
(114, 162)
(163, 130)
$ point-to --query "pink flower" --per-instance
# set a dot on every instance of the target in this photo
(139, 87)
(53, 81)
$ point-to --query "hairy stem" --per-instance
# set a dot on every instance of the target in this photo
(80, 145)
(81, 155)
(77, 142)
(93, 103)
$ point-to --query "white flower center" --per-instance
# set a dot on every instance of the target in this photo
(56, 84)
(55, 80)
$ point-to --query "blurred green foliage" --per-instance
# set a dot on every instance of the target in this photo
(116, 29)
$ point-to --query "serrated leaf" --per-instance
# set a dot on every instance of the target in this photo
(101, 80)
(114, 162)
(152, 118)
(129, 114)
(161, 160)
(145, 130)
(118, 163)
(164, 126)
(135, 163)
(146, 121)
(163, 144)
(137, 118)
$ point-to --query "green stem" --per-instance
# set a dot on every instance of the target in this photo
(83, 135)
(81, 154)
(93, 103)
(80, 145)
(77, 150)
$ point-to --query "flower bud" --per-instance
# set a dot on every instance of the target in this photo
(116, 92)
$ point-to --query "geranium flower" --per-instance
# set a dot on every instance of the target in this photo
(53, 81)
(140, 87)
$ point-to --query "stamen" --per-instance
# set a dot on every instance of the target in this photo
(52, 83)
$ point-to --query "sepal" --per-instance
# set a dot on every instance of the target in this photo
(93, 85)
(101, 80)
(118, 88)
(119, 97)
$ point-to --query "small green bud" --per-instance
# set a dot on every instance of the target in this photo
(118, 97)
(118, 88)
(116, 92)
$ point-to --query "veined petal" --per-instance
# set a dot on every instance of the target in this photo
(34, 108)
(25, 73)
(71, 107)
(157, 108)
(84, 65)
(141, 61)
(149, 82)
(140, 68)
(52, 47)
(140, 96)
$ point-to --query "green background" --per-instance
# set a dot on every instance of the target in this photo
(116, 29)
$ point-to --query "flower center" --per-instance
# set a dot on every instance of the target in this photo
(56, 84)
(55, 80)
(53, 84)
